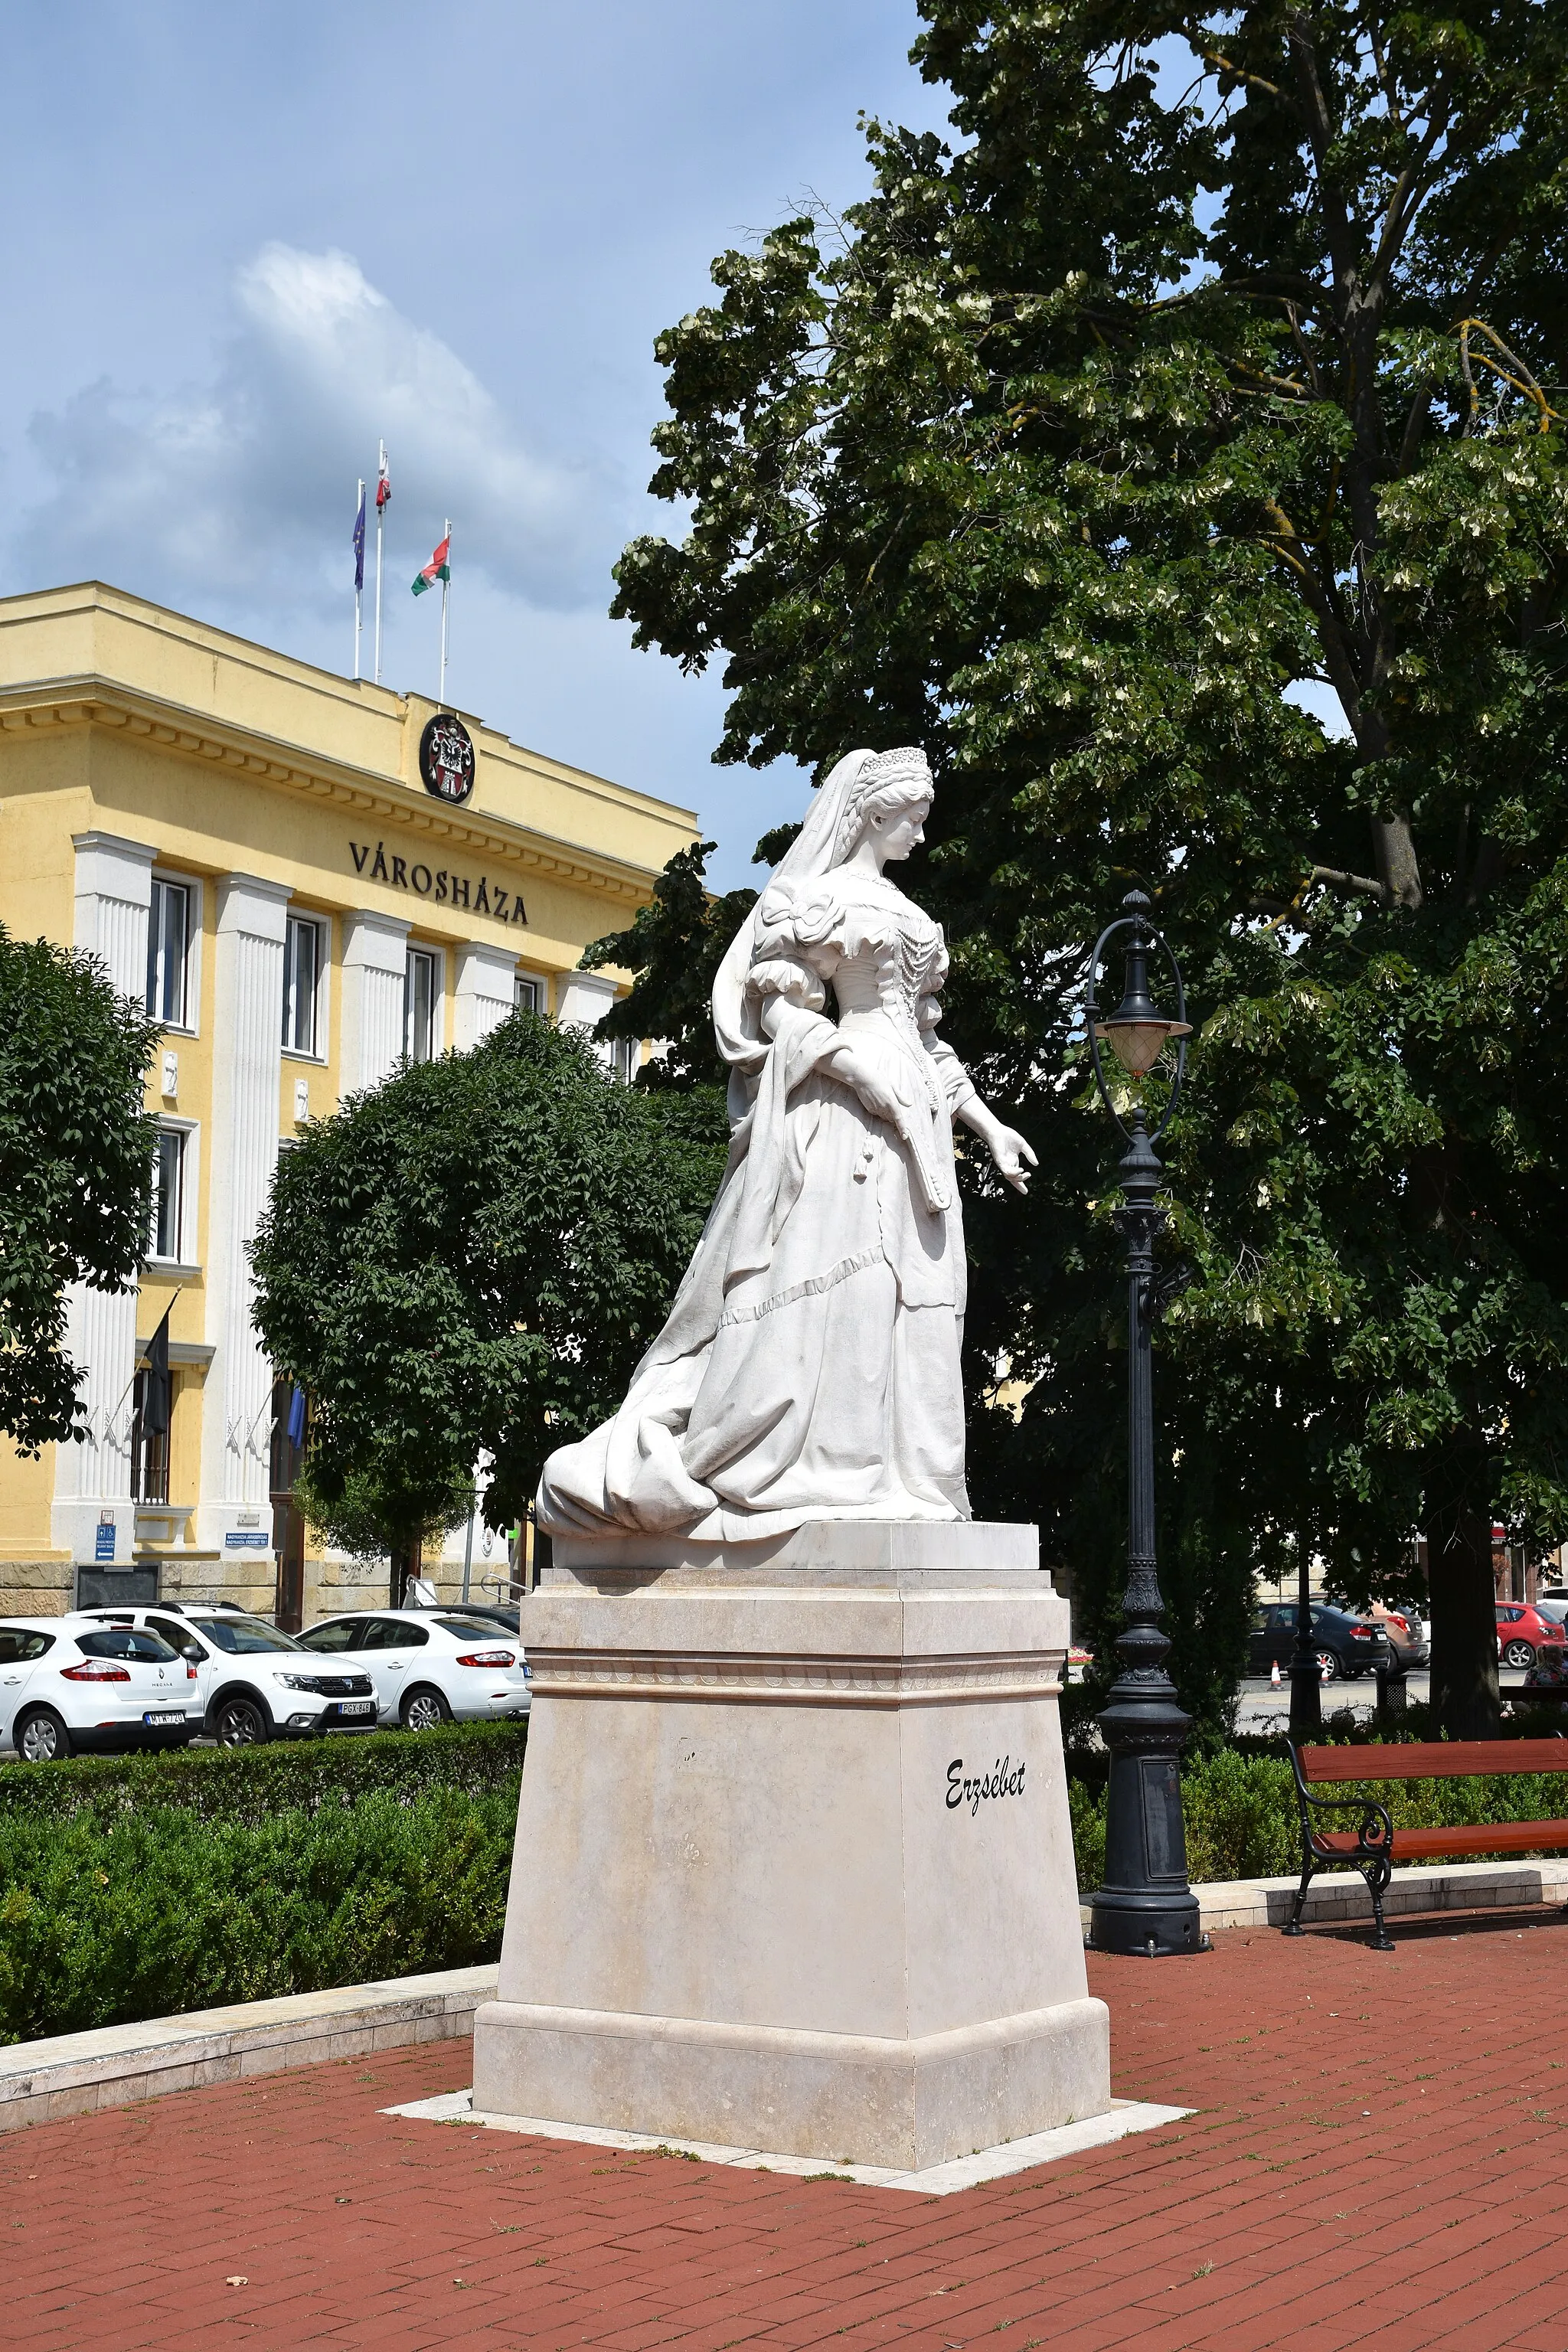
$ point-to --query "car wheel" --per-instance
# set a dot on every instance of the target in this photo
(239, 1723)
(1328, 1666)
(41, 1738)
(422, 1709)
(1518, 1654)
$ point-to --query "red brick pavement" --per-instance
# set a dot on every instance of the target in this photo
(1378, 2159)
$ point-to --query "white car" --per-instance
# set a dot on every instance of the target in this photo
(253, 1682)
(70, 1685)
(429, 1666)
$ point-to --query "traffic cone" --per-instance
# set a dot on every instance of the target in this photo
(1274, 1675)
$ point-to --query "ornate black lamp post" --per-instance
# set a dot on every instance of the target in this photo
(1146, 1904)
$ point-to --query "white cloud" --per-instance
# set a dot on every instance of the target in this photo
(240, 490)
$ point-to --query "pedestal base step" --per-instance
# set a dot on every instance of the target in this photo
(1125, 2117)
(838, 2098)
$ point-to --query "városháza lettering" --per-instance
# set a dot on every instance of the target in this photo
(496, 899)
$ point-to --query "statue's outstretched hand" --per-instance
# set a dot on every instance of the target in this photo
(1013, 1156)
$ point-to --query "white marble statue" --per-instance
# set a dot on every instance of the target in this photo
(809, 1369)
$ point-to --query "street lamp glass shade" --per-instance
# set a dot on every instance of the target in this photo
(1137, 1042)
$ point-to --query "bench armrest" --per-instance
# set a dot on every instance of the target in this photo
(1375, 1828)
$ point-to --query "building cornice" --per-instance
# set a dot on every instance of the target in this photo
(96, 701)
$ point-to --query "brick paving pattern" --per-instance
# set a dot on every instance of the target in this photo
(1378, 2159)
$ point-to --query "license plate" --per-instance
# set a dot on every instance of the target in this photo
(168, 1714)
(356, 1706)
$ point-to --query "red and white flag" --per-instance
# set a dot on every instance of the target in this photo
(382, 480)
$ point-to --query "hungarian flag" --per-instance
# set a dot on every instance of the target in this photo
(382, 480)
(437, 569)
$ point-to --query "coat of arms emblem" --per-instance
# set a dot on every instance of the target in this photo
(447, 758)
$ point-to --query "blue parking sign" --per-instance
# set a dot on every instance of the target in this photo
(103, 1545)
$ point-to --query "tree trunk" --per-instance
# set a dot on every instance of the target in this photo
(1463, 1621)
(406, 1563)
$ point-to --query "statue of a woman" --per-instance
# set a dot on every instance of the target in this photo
(809, 1369)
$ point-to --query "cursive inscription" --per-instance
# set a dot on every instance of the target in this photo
(483, 897)
(1005, 1779)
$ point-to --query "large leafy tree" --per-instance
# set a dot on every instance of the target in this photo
(76, 1169)
(471, 1258)
(1211, 370)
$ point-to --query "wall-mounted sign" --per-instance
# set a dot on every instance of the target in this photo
(447, 758)
(103, 1539)
(483, 897)
(241, 1542)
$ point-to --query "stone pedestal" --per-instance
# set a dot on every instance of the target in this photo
(792, 1869)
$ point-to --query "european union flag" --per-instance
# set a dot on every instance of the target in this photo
(297, 1401)
(359, 553)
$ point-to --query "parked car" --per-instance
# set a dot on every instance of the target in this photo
(1554, 1609)
(488, 1612)
(1522, 1631)
(254, 1683)
(1345, 1644)
(429, 1666)
(1409, 1633)
(70, 1685)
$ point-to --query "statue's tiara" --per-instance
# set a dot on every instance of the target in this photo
(909, 761)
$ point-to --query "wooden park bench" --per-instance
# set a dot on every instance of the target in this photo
(1374, 1846)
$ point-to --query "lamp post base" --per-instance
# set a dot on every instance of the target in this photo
(1155, 1926)
(1145, 1904)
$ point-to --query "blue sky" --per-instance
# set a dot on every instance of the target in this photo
(244, 241)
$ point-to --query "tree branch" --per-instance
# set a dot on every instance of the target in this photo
(1361, 882)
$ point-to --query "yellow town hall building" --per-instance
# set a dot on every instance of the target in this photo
(304, 879)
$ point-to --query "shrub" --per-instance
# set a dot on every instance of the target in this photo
(155, 1911)
(250, 1784)
(144, 1885)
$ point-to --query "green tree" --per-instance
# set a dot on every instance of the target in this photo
(76, 1169)
(473, 1256)
(675, 946)
(1212, 368)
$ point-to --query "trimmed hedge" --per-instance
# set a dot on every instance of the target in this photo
(1242, 1820)
(249, 1784)
(146, 1886)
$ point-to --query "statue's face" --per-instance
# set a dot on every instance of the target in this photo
(903, 831)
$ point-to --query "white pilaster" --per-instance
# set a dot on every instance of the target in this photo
(93, 1477)
(375, 956)
(485, 992)
(248, 998)
(584, 1001)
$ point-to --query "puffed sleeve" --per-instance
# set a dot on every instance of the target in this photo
(799, 942)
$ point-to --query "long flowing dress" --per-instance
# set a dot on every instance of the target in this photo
(810, 1365)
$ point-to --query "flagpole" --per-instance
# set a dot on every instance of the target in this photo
(445, 587)
(359, 618)
(380, 516)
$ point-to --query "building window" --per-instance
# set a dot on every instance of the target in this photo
(168, 952)
(420, 992)
(301, 978)
(168, 1193)
(626, 1058)
(148, 1446)
(529, 993)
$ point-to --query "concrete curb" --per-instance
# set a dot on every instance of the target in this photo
(1340, 1895)
(77, 2074)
